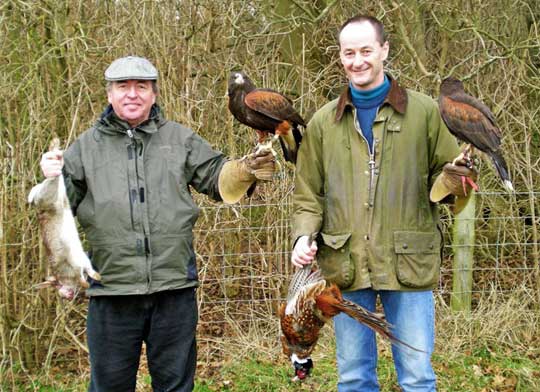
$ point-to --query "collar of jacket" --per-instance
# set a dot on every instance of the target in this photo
(397, 98)
(111, 124)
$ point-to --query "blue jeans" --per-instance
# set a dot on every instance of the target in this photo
(118, 325)
(412, 314)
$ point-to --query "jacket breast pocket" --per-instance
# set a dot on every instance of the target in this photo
(334, 259)
(418, 258)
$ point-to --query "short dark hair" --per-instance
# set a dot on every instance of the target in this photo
(376, 23)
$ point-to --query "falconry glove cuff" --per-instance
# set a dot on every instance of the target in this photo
(237, 176)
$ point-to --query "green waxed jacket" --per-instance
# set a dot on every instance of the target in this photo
(376, 225)
(129, 190)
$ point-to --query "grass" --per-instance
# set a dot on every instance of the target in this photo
(495, 348)
(481, 370)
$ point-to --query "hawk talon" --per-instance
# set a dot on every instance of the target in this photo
(464, 185)
(472, 184)
(268, 145)
(467, 180)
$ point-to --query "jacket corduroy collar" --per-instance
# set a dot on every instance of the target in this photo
(397, 98)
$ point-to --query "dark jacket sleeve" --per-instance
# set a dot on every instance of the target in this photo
(203, 166)
(74, 177)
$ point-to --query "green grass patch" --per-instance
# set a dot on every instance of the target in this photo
(480, 371)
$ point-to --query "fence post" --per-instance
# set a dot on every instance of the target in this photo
(462, 244)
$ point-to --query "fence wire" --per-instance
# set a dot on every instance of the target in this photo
(244, 257)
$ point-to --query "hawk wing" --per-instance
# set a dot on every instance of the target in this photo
(272, 104)
(470, 121)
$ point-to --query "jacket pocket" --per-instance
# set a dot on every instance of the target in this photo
(418, 258)
(334, 259)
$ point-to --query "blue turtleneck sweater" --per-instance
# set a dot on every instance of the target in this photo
(366, 103)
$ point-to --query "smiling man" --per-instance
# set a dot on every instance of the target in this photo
(364, 172)
(129, 180)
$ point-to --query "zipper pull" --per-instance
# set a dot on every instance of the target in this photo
(130, 133)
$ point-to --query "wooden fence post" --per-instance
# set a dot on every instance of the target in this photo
(463, 246)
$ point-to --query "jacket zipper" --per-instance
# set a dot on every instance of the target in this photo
(371, 162)
(145, 243)
(132, 154)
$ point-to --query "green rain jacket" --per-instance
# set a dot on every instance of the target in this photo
(376, 225)
(129, 190)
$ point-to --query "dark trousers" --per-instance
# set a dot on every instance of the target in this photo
(117, 326)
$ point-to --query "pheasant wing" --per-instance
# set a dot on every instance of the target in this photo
(302, 278)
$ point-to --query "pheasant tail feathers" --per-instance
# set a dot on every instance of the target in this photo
(374, 321)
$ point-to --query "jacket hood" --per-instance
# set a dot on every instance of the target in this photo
(109, 123)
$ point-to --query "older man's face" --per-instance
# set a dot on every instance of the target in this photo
(132, 100)
(362, 55)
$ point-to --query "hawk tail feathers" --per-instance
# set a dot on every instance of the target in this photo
(502, 169)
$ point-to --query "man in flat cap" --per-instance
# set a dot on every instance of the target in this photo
(128, 179)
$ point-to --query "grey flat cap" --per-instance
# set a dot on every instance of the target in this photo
(131, 68)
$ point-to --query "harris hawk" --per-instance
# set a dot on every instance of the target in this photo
(266, 111)
(471, 121)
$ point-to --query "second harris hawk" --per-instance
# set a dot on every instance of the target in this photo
(472, 122)
(266, 111)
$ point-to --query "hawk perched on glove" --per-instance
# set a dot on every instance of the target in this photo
(471, 121)
(266, 111)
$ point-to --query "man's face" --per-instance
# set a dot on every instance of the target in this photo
(362, 55)
(132, 100)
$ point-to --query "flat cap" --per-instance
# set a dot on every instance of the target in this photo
(131, 68)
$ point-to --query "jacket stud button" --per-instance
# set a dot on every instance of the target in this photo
(431, 246)
(342, 250)
(405, 246)
(334, 242)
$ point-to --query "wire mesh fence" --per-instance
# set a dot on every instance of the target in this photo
(52, 62)
(244, 258)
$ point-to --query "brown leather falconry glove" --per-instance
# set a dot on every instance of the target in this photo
(458, 180)
(237, 175)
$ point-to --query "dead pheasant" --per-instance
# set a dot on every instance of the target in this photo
(311, 303)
